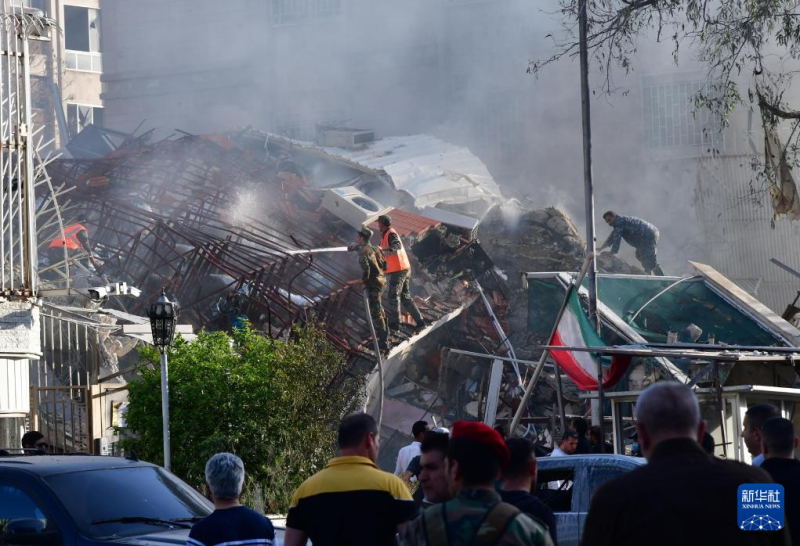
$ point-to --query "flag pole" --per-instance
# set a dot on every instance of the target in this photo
(540, 365)
(583, 25)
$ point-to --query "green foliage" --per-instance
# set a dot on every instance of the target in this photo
(275, 404)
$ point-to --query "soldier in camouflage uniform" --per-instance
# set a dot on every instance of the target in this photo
(641, 235)
(477, 515)
(372, 263)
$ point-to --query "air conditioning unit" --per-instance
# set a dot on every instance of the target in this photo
(352, 206)
(342, 137)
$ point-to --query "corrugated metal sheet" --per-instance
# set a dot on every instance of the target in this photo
(735, 214)
(14, 386)
(430, 170)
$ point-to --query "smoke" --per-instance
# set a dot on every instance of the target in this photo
(452, 68)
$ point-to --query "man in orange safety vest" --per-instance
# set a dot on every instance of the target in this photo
(75, 239)
(398, 270)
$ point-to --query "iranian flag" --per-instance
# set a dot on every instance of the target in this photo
(575, 330)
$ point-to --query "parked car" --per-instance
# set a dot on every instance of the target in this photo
(83, 500)
(566, 485)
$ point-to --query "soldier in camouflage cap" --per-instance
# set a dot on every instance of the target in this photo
(372, 264)
(476, 515)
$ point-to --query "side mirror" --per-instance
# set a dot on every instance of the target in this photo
(29, 532)
(24, 526)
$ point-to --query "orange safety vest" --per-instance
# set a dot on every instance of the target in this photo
(396, 260)
(70, 239)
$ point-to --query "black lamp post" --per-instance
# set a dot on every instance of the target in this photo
(163, 322)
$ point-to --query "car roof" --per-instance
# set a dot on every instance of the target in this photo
(597, 459)
(47, 465)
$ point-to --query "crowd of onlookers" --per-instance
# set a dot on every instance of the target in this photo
(478, 488)
(473, 486)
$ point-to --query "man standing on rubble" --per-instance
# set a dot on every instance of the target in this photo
(398, 269)
(372, 264)
(641, 235)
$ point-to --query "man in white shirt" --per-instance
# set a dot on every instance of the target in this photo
(407, 453)
(753, 420)
(569, 443)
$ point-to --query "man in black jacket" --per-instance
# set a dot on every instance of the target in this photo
(778, 442)
(682, 496)
(519, 479)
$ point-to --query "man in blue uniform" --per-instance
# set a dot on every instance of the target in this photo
(641, 235)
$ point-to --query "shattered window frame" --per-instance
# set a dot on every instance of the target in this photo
(670, 119)
(86, 112)
(295, 12)
(88, 57)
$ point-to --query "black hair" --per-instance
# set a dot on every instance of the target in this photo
(435, 441)
(31, 437)
(501, 430)
(778, 433)
(354, 428)
(569, 433)
(519, 463)
(759, 413)
(477, 462)
(708, 443)
(609, 213)
(581, 426)
(595, 432)
(418, 428)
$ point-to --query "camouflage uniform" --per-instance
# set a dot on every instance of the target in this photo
(400, 291)
(641, 235)
(465, 521)
(371, 261)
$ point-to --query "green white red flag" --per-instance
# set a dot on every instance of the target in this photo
(575, 330)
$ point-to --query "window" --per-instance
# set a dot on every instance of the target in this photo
(43, 5)
(149, 492)
(554, 488)
(82, 36)
(16, 504)
(79, 116)
(288, 12)
(671, 120)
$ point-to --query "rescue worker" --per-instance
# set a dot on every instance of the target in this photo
(398, 269)
(372, 264)
(75, 239)
(641, 235)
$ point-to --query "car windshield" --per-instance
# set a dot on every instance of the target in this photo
(96, 498)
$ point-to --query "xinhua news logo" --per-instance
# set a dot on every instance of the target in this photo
(761, 507)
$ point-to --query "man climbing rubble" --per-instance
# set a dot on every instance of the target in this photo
(373, 264)
(398, 269)
(641, 235)
(76, 241)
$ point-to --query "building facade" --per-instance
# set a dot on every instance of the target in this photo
(65, 70)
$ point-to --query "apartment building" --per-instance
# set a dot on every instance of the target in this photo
(66, 69)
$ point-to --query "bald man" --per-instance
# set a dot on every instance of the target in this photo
(683, 495)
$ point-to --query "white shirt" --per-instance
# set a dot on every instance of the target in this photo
(758, 460)
(404, 457)
(558, 452)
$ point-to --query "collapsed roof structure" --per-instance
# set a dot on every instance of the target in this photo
(226, 223)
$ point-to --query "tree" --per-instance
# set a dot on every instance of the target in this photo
(275, 404)
(750, 48)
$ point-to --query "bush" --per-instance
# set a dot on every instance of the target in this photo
(275, 404)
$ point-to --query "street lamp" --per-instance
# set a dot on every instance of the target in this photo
(163, 321)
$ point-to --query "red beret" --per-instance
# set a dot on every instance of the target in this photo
(475, 430)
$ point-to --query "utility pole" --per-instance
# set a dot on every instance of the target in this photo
(583, 24)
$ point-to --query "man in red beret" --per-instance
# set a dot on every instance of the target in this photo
(475, 455)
